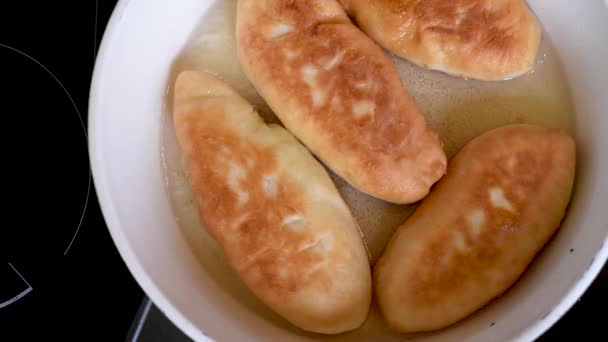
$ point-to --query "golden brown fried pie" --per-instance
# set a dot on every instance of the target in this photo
(273, 208)
(504, 196)
(481, 39)
(340, 94)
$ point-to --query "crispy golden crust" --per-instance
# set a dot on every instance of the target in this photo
(339, 93)
(272, 207)
(482, 39)
(503, 197)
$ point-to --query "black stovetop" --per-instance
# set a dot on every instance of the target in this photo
(59, 270)
(60, 273)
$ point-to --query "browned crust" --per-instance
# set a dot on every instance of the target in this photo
(286, 232)
(438, 268)
(482, 39)
(340, 95)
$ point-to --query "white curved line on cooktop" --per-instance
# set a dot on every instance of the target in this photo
(86, 203)
(20, 295)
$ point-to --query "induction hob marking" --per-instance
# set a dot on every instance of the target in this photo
(84, 130)
(20, 295)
